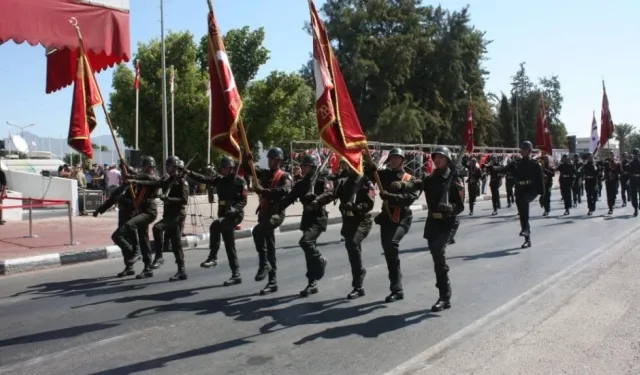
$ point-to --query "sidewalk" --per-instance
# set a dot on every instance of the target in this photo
(587, 321)
(92, 236)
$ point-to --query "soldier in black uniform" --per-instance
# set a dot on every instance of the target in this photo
(444, 192)
(232, 197)
(578, 183)
(547, 175)
(356, 194)
(313, 222)
(494, 183)
(567, 173)
(122, 197)
(634, 179)
(601, 166)
(612, 181)
(473, 183)
(529, 183)
(274, 185)
(395, 218)
(624, 178)
(175, 195)
(146, 211)
(591, 179)
(510, 183)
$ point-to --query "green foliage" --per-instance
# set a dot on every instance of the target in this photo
(73, 159)
(625, 134)
(99, 148)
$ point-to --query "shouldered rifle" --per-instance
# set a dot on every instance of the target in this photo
(454, 173)
(180, 174)
(314, 179)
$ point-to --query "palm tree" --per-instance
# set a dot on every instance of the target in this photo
(622, 133)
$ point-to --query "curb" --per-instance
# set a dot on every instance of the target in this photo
(39, 262)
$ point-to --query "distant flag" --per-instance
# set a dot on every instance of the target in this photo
(172, 79)
(136, 80)
(606, 123)
(467, 135)
(594, 142)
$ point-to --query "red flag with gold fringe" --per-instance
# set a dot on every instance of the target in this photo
(606, 123)
(338, 124)
(543, 133)
(85, 97)
(467, 135)
(225, 98)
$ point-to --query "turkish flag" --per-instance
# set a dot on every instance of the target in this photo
(136, 80)
(338, 123)
(467, 135)
(85, 96)
(225, 98)
(543, 134)
(606, 123)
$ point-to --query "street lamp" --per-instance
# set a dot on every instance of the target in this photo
(20, 127)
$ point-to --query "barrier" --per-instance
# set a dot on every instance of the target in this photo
(30, 206)
(42, 188)
(12, 214)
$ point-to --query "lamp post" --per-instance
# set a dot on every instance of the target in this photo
(165, 135)
(21, 127)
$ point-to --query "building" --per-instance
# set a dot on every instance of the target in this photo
(583, 146)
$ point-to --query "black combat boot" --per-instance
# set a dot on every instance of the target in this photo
(234, 280)
(610, 211)
(635, 212)
(146, 272)
(444, 289)
(272, 285)
(395, 296)
(128, 271)
(566, 212)
(310, 289)
(358, 282)
(527, 242)
(158, 261)
(262, 272)
(180, 275)
(209, 263)
(494, 213)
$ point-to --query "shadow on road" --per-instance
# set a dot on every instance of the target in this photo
(88, 287)
(57, 334)
(319, 244)
(490, 254)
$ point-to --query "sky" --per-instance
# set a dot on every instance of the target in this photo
(582, 42)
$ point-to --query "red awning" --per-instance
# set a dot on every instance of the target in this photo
(105, 33)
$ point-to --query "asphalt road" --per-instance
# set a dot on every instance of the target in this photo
(79, 320)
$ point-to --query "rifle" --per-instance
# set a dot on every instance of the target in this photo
(314, 179)
(180, 174)
(454, 173)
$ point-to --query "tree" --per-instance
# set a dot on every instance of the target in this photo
(505, 118)
(623, 133)
(73, 158)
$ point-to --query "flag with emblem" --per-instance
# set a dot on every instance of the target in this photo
(594, 142)
(606, 123)
(543, 134)
(136, 80)
(85, 96)
(226, 103)
(467, 136)
(338, 124)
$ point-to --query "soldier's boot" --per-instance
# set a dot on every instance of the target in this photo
(566, 212)
(452, 241)
(494, 213)
(158, 261)
(264, 267)
(209, 263)
(358, 282)
(322, 268)
(635, 212)
(234, 280)
(180, 275)
(470, 210)
(527, 242)
(128, 271)
(444, 299)
(311, 288)
(272, 285)
(610, 211)
(146, 272)
(395, 296)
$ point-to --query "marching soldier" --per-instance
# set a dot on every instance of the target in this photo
(232, 197)
(634, 179)
(211, 189)
(146, 213)
(600, 165)
(175, 195)
(578, 185)
(567, 173)
(548, 173)
(611, 180)
(395, 218)
(473, 183)
(529, 183)
(274, 185)
(624, 178)
(314, 220)
(494, 183)
(591, 178)
(444, 192)
(510, 183)
(356, 194)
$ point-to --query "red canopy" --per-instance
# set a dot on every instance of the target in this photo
(105, 33)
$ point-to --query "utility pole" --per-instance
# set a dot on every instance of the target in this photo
(165, 135)
(21, 127)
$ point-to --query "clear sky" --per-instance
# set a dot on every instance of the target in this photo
(581, 41)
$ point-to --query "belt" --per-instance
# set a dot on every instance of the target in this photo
(222, 203)
(589, 177)
(436, 215)
(524, 182)
(348, 213)
(566, 175)
(635, 175)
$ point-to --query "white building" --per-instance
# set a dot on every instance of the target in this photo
(583, 145)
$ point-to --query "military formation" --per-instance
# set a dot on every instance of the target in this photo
(444, 189)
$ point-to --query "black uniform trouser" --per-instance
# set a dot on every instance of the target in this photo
(624, 190)
(612, 193)
(474, 191)
(211, 190)
(265, 240)
(437, 233)
(391, 234)
(600, 183)
(510, 185)
(225, 228)
(138, 224)
(523, 198)
(495, 195)
(591, 189)
(576, 191)
(169, 230)
(545, 200)
(308, 242)
(566, 192)
(634, 190)
(354, 231)
(123, 216)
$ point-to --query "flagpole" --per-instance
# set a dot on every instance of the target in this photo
(137, 108)
(173, 111)
(165, 136)
(209, 128)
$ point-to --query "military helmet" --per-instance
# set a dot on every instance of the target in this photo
(275, 153)
(309, 160)
(180, 163)
(226, 162)
(148, 162)
(635, 151)
(441, 150)
(172, 161)
(589, 155)
(576, 156)
(396, 151)
(526, 145)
